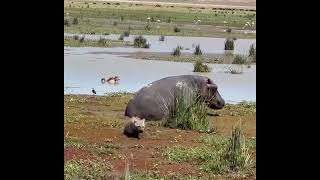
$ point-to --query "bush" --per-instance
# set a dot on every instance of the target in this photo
(76, 37)
(252, 53)
(115, 23)
(229, 30)
(102, 41)
(161, 38)
(75, 21)
(198, 66)
(140, 42)
(147, 27)
(237, 155)
(126, 33)
(197, 51)
(176, 29)
(251, 50)
(81, 39)
(229, 44)
(239, 59)
(234, 70)
(121, 37)
(66, 22)
(188, 112)
(176, 51)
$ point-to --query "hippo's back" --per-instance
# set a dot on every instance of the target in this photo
(153, 101)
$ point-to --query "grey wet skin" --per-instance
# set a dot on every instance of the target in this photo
(154, 101)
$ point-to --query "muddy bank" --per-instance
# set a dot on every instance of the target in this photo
(93, 132)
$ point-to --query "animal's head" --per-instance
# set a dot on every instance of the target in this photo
(139, 123)
(117, 78)
(212, 95)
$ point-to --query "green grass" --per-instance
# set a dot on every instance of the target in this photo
(188, 113)
(175, 15)
(94, 148)
(71, 42)
(206, 58)
(218, 155)
(74, 142)
(86, 169)
(100, 18)
(199, 66)
(237, 155)
(248, 104)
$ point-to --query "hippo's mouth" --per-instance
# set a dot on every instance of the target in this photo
(215, 106)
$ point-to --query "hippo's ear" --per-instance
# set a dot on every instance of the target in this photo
(212, 86)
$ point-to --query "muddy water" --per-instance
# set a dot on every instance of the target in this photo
(84, 68)
(208, 45)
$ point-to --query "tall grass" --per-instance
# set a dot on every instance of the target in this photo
(161, 38)
(199, 66)
(188, 113)
(239, 59)
(252, 53)
(126, 33)
(75, 21)
(141, 42)
(237, 154)
(197, 51)
(176, 29)
(176, 51)
(229, 44)
(219, 154)
(66, 22)
(76, 37)
(81, 40)
(102, 42)
(121, 37)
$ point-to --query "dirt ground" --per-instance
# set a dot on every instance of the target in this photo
(101, 120)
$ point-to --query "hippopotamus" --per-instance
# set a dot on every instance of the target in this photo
(156, 100)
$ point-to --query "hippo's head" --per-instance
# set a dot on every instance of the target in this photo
(212, 96)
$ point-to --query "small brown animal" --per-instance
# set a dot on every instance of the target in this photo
(134, 128)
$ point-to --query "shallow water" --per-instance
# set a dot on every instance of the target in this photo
(208, 45)
(84, 68)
